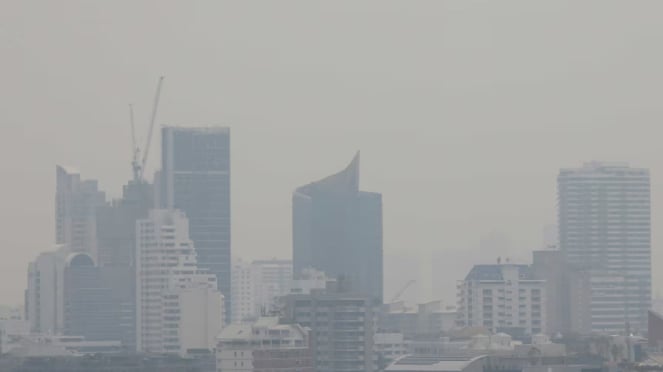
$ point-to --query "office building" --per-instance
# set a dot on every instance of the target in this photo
(309, 280)
(76, 201)
(503, 298)
(337, 229)
(264, 345)
(89, 310)
(116, 246)
(195, 178)
(43, 297)
(343, 324)
(171, 291)
(605, 229)
(256, 286)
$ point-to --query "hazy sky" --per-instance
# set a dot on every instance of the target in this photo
(464, 112)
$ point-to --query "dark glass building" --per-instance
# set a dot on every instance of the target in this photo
(338, 229)
(195, 178)
(89, 309)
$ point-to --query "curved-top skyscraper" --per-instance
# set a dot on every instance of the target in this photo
(338, 229)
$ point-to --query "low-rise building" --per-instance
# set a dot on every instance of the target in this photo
(503, 298)
(265, 345)
(343, 324)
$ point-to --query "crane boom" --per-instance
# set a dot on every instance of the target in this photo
(402, 290)
(146, 151)
(135, 151)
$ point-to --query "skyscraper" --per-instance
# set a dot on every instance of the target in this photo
(605, 229)
(338, 229)
(195, 179)
(178, 304)
(76, 201)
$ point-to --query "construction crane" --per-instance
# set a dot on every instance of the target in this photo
(139, 167)
(402, 290)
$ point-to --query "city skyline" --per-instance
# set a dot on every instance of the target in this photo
(454, 105)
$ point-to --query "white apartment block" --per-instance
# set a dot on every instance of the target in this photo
(264, 345)
(178, 304)
(256, 287)
(502, 298)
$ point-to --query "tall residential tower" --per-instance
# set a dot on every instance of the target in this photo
(338, 229)
(195, 179)
(605, 230)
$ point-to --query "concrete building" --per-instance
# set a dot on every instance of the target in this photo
(256, 286)
(503, 298)
(390, 346)
(338, 229)
(89, 310)
(309, 280)
(343, 325)
(428, 320)
(549, 265)
(76, 201)
(171, 290)
(44, 295)
(195, 178)
(264, 345)
(605, 228)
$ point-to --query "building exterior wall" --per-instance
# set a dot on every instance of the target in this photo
(167, 274)
(264, 346)
(337, 229)
(338, 318)
(89, 310)
(503, 298)
(256, 286)
(44, 298)
(195, 178)
(76, 201)
(605, 227)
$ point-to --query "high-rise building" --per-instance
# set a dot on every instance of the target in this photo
(503, 298)
(171, 291)
(264, 345)
(89, 309)
(256, 286)
(195, 178)
(338, 229)
(605, 230)
(76, 201)
(116, 246)
(343, 323)
(44, 295)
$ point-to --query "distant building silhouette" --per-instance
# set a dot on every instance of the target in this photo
(605, 229)
(195, 178)
(338, 229)
(76, 201)
(89, 309)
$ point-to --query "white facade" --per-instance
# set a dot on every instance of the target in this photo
(257, 285)
(390, 346)
(44, 297)
(167, 279)
(264, 345)
(193, 313)
(502, 297)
